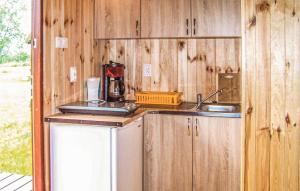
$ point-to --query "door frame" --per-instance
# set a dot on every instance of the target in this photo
(38, 167)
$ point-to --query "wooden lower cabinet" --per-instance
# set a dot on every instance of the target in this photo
(185, 153)
(216, 154)
(168, 153)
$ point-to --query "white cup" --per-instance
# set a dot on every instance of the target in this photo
(93, 88)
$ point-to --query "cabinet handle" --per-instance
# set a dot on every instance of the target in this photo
(137, 27)
(197, 128)
(195, 22)
(189, 126)
(187, 27)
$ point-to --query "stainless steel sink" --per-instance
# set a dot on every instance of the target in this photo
(218, 108)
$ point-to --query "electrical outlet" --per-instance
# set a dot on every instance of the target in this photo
(147, 70)
(73, 74)
(61, 42)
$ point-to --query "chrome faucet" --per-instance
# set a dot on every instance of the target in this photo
(200, 101)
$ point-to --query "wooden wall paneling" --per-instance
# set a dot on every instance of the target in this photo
(119, 55)
(263, 94)
(59, 54)
(47, 58)
(69, 89)
(165, 65)
(217, 17)
(112, 46)
(97, 67)
(206, 66)
(163, 59)
(96, 57)
(168, 65)
(76, 43)
(182, 65)
(228, 60)
(263, 62)
(192, 70)
(104, 51)
(262, 154)
(146, 59)
(101, 53)
(276, 54)
(249, 86)
(238, 54)
(155, 63)
(291, 159)
(87, 42)
(138, 67)
(120, 47)
(99, 57)
(247, 159)
(165, 19)
(133, 61)
(75, 22)
(64, 18)
(292, 102)
(277, 152)
(227, 55)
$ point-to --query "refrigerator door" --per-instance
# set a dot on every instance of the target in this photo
(80, 158)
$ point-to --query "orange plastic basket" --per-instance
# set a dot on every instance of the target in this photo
(161, 98)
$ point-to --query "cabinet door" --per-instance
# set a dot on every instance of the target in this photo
(216, 18)
(117, 19)
(216, 154)
(167, 153)
(167, 18)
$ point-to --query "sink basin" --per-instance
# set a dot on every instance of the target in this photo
(219, 108)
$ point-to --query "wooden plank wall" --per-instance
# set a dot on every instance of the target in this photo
(185, 65)
(271, 94)
(72, 19)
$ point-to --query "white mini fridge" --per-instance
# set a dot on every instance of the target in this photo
(96, 158)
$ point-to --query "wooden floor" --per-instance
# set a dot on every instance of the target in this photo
(12, 182)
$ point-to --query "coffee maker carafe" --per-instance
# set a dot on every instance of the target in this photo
(113, 82)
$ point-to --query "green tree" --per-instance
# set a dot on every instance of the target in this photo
(11, 35)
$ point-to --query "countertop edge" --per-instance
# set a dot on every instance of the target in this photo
(57, 118)
(52, 119)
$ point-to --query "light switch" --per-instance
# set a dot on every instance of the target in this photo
(147, 70)
(61, 42)
(73, 74)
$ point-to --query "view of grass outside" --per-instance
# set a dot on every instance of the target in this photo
(15, 87)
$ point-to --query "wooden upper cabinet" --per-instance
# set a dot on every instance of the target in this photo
(167, 153)
(117, 19)
(216, 154)
(165, 18)
(216, 18)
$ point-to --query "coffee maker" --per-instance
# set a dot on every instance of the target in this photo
(113, 82)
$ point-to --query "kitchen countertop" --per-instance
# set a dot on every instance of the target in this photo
(115, 121)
